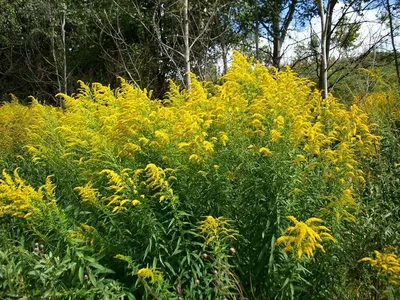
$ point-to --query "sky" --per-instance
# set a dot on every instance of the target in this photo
(370, 32)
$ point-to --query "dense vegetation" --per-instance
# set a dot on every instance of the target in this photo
(254, 188)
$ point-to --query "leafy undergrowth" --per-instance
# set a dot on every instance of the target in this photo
(255, 188)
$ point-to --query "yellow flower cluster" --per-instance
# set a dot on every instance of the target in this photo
(20, 124)
(216, 229)
(305, 237)
(124, 189)
(382, 105)
(19, 199)
(387, 265)
(252, 109)
(272, 119)
(88, 193)
(154, 275)
(157, 180)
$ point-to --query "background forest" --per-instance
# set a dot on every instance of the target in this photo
(47, 46)
(199, 149)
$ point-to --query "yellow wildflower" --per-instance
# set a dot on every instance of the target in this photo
(257, 123)
(144, 141)
(279, 122)
(305, 237)
(208, 147)
(129, 149)
(154, 275)
(387, 265)
(183, 145)
(19, 199)
(258, 116)
(216, 229)
(275, 135)
(163, 136)
(194, 157)
(223, 138)
(155, 177)
(135, 202)
(87, 193)
(265, 151)
(300, 158)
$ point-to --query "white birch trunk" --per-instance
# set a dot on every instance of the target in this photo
(186, 42)
(324, 63)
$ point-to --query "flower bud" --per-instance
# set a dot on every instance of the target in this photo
(197, 282)
(232, 250)
(215, 272)
(36, 249)
(86, 277)
(204, 256)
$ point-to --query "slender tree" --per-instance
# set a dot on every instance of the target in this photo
(280, 15)
(186, 42)
(392, 39)
(340, 34)
(325, 14)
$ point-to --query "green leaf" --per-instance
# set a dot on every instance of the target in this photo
(80, 274)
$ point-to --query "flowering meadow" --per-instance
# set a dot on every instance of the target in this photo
(253, 188)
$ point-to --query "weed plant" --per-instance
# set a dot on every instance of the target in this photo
(254, 188)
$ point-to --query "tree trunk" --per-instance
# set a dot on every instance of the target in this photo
(64, 49)
(323, 74)
(257, 36)
(396, 62)
(186, 42)
(280, 28)
(326, 35)
(276, 34)
(276, 55)
(221, 23)
(53, 52)
(224, 54)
